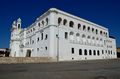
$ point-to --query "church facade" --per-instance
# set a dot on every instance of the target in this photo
(63, 37)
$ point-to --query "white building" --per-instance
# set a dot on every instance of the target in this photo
(63, 37)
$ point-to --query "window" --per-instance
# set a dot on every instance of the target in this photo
(46, 48)
(33, 29)
(59, 20)
(98, 52)
(111, 51)
(102, 51)
(37, 49)
(18, 26)
(77, 34)
(41, 36)
(71, 24)
(64, 22)
(100, 32)
(43, 23)
(32, 41)
(80, 51)
(46, 21)
(85, 51)
(106, 51)
(94, 52)
(72, 50)
(79, 25)
(66, 35)
(71, 35)
(37, 39)
(84, 27)
(39, 24)
(46, 37)
(96, 31)
(92, 29)
(90, 52)
(88, 29)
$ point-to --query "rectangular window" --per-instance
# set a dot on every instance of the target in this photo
(72, 50)
(66, 35)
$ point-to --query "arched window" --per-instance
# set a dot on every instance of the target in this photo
(71, 23)
(96, 31)
(71, 35)
(106, 34)
(43, 23)
(80, 51)
(85, 51)
(90, 52)
(102, 51)
(111, 51)
(89, 41)
(92, 29)
(94, 52)
(59, 20)
(98, 52)
(78, 37)
(39, 24)
(46, 21)
(79, 25)
(88, 29)
(64, 22)
(77, 34)
(100, 32)
(83, 36)
(84, 27)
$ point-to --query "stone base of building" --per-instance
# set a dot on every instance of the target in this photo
(15, 60)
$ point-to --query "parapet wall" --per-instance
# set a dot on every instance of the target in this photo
(9, 60)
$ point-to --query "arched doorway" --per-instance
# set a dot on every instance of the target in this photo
(28, 54)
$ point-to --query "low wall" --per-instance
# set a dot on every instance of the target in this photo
(9, 60)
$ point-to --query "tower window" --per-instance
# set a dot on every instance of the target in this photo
(18, 26)
(72, 50)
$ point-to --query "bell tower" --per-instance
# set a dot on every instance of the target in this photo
(15, 38)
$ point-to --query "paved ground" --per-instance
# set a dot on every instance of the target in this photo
(100, 69)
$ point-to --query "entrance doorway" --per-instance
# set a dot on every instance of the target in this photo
(28, 54)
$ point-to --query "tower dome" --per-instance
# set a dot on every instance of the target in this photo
(19, 20)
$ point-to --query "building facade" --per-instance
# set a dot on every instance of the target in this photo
(63, 37)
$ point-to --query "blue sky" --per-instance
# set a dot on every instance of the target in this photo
(102, 12)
